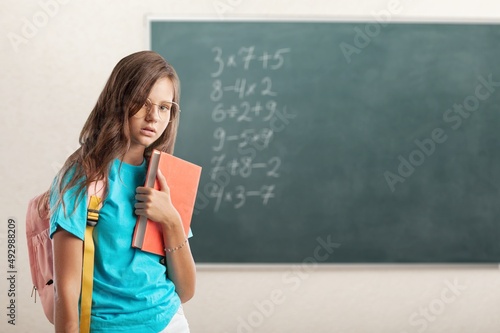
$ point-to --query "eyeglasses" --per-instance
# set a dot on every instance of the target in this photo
(166, 110)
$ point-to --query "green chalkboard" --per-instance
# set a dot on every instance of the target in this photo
(340, 142)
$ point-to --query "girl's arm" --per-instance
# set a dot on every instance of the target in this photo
(180, 263)
(157, 206)
(68, 253)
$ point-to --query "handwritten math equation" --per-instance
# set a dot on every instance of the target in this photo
(239, 195)
(242, 152)
(244, 166)
(245, 111)
(248, 58)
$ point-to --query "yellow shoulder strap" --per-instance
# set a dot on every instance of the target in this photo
(95, 204)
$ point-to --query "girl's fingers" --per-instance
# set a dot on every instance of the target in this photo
(141, 197)
(143, 190)
(140, 205)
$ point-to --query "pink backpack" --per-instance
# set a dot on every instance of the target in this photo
(40, 248)
(40, 254)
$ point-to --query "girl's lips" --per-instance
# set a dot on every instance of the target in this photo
(148, 131)
(149, 128)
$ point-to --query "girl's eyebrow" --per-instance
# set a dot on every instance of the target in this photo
(164, 101)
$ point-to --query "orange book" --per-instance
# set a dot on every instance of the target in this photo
(182, 179)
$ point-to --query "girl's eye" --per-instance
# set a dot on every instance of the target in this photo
(164, 108)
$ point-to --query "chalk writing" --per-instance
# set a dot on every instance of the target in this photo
(251, 105)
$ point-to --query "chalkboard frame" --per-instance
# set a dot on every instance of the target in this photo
(151, 19)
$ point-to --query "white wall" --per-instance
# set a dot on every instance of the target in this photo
(50, 82)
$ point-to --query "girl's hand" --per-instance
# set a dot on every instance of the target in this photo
(156, 205)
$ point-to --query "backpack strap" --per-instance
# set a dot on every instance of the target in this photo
(95, 194)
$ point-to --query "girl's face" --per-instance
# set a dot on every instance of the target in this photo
(149, 123)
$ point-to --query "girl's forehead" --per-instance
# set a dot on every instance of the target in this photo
(162, 90)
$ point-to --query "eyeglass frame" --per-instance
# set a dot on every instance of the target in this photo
(158, 107)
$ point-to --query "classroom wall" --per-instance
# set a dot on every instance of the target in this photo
(51, 77)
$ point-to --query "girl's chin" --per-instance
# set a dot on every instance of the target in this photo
(142, 143)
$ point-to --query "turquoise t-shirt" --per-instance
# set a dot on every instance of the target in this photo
(131, 291)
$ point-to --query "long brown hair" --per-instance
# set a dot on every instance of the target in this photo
(106, 135)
